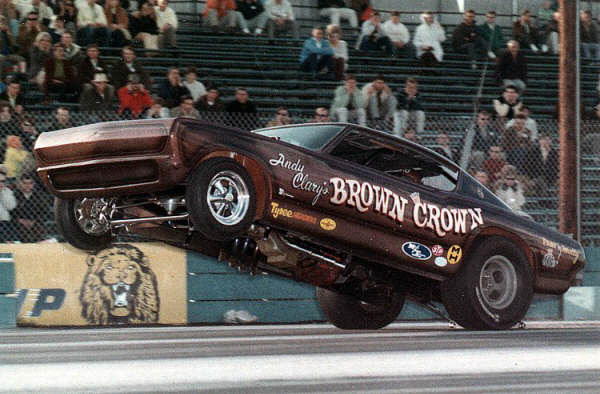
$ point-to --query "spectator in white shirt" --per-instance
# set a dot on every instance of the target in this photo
(399, 36)
(26, 6)
(91, 24)
(7, 204)
(373, 36)
(281, 18)
(196, 88)
(428, 40)
(530, 123)
(340, 54)
(166, 19)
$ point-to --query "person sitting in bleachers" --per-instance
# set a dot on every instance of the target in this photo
(590, 36)
(494, 163)
(9, 12)
(399, 36)
(100, 98)
(409, 105)
(26, 215)
(509, 189)
(336, 10)
(126, 66)
(443, 147)
(509, 104)
(16, 158)
(13, 95)
(243, 112)
(363, 9)
(59, 75)
(134, 99)
(210, 102)
(530, 123)
(172, 89)
(544, 15)
(67, 12)
(340, 55)
(7, 204)
(72, 50)
(516, 142)
(39, 53)
(527, 35)
(373, 37)
(62, 120)
(167, 22)
(491, 34)
(220, 13)
(28, 132)
(28, 34)
(321, 115)
(196, 88)
(185, 109)
(144, 28)
(91, 24)
(118, 23)
(46, 15)
(379, 100)
(348, 102)
(91, 65)
(428, 39)
(316, 53)
(551, 33)
(482, 176)
(157, 110)
(281, 18)
(9, 60)
(484, 135)
(466, 39)
(281, 118)
(251, 15)
(511, 69)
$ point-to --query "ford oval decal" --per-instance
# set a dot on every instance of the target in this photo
(416, 250)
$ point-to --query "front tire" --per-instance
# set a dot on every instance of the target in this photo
(84, 223)
(349, 313)
(492, 290)
(221, 199)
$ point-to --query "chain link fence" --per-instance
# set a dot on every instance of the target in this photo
(519, 162)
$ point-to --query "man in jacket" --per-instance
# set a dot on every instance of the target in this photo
(100, 98)
(316, 53)
(281, 18)
(133, 98)
(251, 15)
(511, 69)
(527, 34)
(348, 102)
(379, 101)
(167, 23)
(337, 9)
(409, 104)
(491, 34)
(465, 39)
(590, 36)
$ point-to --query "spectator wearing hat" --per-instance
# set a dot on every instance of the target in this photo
(7, 204)
(128, 65)
(220, 13)
(59, 74)
(196, 88)
(91, 23)
(172, 89)
(100, 98)
(185, 109)
(117, 22)
(281, 18)
(134, 99)
(166, 19)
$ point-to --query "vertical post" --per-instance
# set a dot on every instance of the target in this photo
(568, 117)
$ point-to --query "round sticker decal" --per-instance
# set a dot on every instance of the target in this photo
(328, 224)
(416, 250)
(454, 254)
(437, 250)
(440, 261)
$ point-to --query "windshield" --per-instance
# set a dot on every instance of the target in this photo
(313, 137)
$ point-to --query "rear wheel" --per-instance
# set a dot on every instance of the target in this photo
(221, 199)
(380, 306)
(84, 223)
(492, 290)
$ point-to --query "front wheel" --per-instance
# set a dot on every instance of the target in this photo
(84, 223)
(221, 199)
(492, 290)
(378, 309)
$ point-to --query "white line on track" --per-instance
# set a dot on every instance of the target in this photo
(121, 375)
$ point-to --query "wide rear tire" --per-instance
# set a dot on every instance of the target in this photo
(350, 313)
(492, 290)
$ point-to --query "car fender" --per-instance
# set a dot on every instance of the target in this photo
(256, 169)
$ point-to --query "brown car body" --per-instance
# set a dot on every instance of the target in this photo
(318, 197)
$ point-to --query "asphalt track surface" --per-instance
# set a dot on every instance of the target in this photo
(410, 358)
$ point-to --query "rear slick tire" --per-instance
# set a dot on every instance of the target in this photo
(492, 290)
(350, 313)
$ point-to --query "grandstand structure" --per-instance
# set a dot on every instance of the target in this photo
(269, 69)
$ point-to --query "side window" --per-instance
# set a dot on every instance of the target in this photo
(395, 160)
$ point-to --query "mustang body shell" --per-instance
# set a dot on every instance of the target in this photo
(302, 192)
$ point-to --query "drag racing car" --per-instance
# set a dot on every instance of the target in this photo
(368, 218)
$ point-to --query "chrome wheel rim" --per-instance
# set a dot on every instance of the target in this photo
(498, 282)
(93, 215)
(228, 198)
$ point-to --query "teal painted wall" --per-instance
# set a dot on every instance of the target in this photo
(8, 301)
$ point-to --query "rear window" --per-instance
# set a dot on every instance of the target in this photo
(313, 137)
